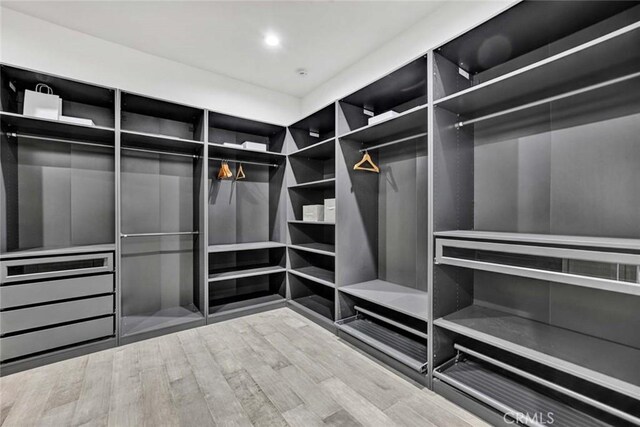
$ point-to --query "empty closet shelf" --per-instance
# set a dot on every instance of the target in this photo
(151, 140)
(506, 395)
(240, 154)
(318, 248)
(315, 274)
(402, 299)
(239, 274)
(321, 184)
(320, 150)
(297, 221)
(232, 247)
(405, 350)
(161, 319)
(70, 250)
(316, 305)
(406, 123)
(599, 361)
(243, 302)
(602, 57)
(12, 122)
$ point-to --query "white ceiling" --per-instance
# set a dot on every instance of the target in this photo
(225, 37)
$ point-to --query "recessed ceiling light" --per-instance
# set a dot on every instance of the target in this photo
(272, 40)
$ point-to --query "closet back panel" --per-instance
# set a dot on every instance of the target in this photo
(158, 193)
(157, 274)
(56, 195)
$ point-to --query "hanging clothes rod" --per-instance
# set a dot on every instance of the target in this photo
(273, 165)
(67, 141)
(168, 153)
(549, 384)
(549, 99)
(176, 233)
(396, 141)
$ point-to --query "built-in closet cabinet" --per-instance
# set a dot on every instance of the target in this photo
(57, 222)
(246, 216)
(536, 207)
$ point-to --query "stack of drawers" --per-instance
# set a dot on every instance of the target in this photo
(53, 303)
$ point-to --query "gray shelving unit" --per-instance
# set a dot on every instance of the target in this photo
(534, 243)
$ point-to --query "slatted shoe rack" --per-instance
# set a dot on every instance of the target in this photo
(494, 256)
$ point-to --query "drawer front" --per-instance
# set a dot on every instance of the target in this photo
(52, 338)
(53, 290)
(51, 314)
(51, 267)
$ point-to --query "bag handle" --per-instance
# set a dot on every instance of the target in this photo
(41, 87)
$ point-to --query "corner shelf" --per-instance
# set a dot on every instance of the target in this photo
(143, 140)
(158, 320)
(321, 184)
(406, 123)
(320, 150)
(316, 307)
(251, 272)
(315, 274)
(317, 248)
(247, 302)
(610, 365)
(233, 247)
(56, 129)
(402, 299)
(243, 154)
(297, 221)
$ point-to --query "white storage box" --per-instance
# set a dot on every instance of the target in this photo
(313, 213)
(41, 103)
(249, 145)
(330, 210)
(77, 120)
(383, 116)
(229, 144)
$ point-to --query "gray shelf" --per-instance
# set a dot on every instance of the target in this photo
(232, 247)
(397, 346)
(602, 362)
(297, 221)
(546, 239)
(143, 140)
(239, 154)
(38, 252)
(409, 122)
(161, 319)
(594, 61)
(316, 274)
(317, 306)
(506, 395)
(251, 272)
(251, 302)
(315, 185)
(322, 150)
(317, 248)
(402, 299)
(55, 128)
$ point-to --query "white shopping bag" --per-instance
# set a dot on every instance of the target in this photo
(41, 103)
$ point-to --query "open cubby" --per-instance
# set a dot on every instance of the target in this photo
(400, 91)
(316, 195)
(227, 296)
(313, 165)
(145, 118)
(315, 128)
(225, 129)
(304, 233)
(313, 266)
(249, 263)
(315, 299)
(55, 195)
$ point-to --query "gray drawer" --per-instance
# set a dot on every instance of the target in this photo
(51, 314)
(52, 338)
(17, 270)
(53, 290)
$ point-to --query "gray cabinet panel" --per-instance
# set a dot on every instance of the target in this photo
(48, 339)
(51, 314)
(53, 290)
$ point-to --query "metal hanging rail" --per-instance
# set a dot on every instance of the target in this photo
(549, 384)
(395, 141)
(273, 165)
(167, 153)
(176, 233)
(549, 99)
(67, 141)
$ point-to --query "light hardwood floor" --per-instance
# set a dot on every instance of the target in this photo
(270, 369)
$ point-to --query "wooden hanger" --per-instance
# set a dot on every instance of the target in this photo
(224, 172)
(240, 173)
(366, 159)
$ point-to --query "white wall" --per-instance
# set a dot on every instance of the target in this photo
(445, 23)
(33, 43)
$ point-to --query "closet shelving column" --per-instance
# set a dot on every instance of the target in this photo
(57, 286)
(537, 244)
(382, 245)
(311, 180)
(161, 186)
(246, 217)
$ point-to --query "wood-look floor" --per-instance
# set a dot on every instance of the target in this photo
(269, 369)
